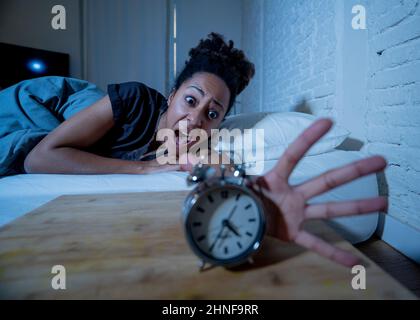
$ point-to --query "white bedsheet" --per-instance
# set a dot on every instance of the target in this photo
(20, 194)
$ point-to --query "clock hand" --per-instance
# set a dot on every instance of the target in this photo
(214, 229)
(223, 238)
(231, 212)
(224, 224)
(217, 238)
(228, 224)
(232, 228)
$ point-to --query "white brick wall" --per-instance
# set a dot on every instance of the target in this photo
(307, 43)
(252, 24)
(300, 52)
(393, 120)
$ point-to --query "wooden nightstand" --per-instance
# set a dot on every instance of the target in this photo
(118, 246)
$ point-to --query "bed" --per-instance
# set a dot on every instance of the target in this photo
(22, 193)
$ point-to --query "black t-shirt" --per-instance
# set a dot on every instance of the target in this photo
(137, 110)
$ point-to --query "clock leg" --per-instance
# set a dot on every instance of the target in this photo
(203, 266)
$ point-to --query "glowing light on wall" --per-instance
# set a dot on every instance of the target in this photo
(36, 66)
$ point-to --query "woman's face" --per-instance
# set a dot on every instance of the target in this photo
(201, 101)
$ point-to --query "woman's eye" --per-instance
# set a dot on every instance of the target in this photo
(213, 114)
(190, 100)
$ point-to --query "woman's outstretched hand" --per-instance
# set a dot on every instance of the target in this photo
(286, 205)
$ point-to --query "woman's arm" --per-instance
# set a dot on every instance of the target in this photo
(61, 150)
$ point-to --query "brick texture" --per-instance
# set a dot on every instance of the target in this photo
(294, 46)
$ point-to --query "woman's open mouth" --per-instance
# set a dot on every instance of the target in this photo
(183, 138)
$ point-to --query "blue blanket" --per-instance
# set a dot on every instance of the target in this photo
(31, 109)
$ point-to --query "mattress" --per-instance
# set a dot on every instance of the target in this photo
(20, 194)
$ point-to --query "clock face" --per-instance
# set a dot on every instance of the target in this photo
(225, 224)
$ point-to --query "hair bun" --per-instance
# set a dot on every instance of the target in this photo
(218, 51)
(215, 56)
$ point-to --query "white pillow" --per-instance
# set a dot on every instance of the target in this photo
(280, 130)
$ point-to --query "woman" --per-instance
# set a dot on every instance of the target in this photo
(116, 134)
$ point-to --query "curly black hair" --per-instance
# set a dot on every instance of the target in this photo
(214, 55)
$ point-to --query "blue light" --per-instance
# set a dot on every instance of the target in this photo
(36, 66)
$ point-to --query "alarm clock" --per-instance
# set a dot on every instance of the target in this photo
(223, 219)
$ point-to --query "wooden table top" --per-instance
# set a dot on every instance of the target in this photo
(132, 246)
